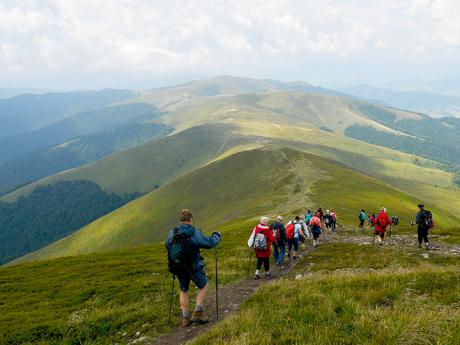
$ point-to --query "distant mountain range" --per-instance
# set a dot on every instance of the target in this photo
(210, 144)
(436, 105)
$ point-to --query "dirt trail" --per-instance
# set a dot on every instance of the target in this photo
(230, 298)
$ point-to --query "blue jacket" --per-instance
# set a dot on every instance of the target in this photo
(198, 240)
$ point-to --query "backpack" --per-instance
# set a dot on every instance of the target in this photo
(276, 227)
(181, 252)
(290, 228)
(428, 221)
(362, 216)
(260, 241)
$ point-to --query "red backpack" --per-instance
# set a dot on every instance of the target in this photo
(290, 231)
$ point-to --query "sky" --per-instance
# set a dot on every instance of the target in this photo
(80, 44)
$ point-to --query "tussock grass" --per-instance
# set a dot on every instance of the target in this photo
(414, 307)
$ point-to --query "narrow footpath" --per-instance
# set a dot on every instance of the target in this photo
(233, 295)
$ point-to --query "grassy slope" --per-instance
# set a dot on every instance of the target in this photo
(145, 166)
(353, 294)
(98, 297)
(286, 115)
(243, 185)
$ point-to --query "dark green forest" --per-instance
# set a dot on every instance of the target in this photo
(33, 166)
(50, 213)
(436, 139)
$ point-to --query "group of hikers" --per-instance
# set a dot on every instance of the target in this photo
(381, 221)
(185, 241)
(286, 238)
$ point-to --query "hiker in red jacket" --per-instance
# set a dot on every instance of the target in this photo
(381, 223)
(261, 240)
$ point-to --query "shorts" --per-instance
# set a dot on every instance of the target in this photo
(198, 277)
(316, 234)
(293, 243)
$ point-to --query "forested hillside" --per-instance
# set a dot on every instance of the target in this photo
(50, 213)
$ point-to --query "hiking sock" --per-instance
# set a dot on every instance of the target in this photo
(185, 313)
(198, 308)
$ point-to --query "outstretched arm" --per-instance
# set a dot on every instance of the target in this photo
(205, 242)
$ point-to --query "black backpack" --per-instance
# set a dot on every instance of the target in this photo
(181, 252)
(428, 220)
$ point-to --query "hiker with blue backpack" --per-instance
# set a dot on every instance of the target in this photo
(424, 221)
(362, 218)
(185, 263)
(308, 216)
(261, 240)
(279, 247)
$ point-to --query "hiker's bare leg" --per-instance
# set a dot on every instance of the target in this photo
(201, 294)
(184, 300)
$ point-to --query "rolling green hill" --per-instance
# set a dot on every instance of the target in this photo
(267, 180)
(217, 122)
(76, 152)
(149, 165)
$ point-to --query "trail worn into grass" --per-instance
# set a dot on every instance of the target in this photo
(230, 298)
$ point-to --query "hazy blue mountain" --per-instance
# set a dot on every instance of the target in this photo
(85, 123)
(420, 101)
(7, 92)
(29, 112)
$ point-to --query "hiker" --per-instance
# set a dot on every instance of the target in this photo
(308, 216)
(362, 218)
(303, 234)
(334, 220)
(185, 263)
(372, 219)
(261, 239)
(279, 247)
(320, 214)
(315, 225)
(328, 221)
(395, 220)
(424, 221)
(381, 223)
(293, 232)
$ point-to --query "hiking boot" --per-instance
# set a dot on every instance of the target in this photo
(186, 321)
(427, 246)
(268, 276)
(256, 277)
(420, 245)
(199, 317)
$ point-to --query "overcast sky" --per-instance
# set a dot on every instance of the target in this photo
(93, 44)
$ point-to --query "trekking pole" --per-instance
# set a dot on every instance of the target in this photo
(171, 298)
(217, 286)
(250, 257)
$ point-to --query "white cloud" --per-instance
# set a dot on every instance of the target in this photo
(168, 35)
